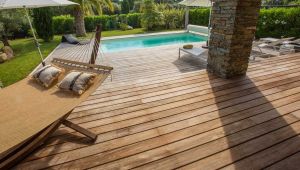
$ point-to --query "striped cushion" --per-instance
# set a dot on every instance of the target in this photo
(47, 75)
(77, 82)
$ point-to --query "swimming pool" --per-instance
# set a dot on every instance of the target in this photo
(123, 44)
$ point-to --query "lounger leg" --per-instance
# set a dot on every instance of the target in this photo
(179, 54)
(80, 129)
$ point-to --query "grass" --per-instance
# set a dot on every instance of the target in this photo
(119, 33)
(27, 57)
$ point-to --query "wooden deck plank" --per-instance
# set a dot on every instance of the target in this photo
(213, 148)
(144, 147)
(165, 78)
(139, 102)
(179, 159)
(290, 163)
(181, 95)
(158, 88)
(184, 105)
(199, 78)
(212, 120)
(250, 147)
(95, 148)
(268, 156)
(169, 115)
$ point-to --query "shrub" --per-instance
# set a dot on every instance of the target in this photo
(274, 22)
(122, 18)
(92, 21)
(199, 16)
(125, 27)
(12, 22)
(63, 24)
(152, 19)
(112, 22)
(134, 20)
(42, 18)
(277, 22)
(173, 18)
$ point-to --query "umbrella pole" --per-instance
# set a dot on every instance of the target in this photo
(186, 17)
(34, 36)
(209, 26)
(209, 22)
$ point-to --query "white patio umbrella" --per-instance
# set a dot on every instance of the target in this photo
(194, 3)
(26, 4)
(197, 3)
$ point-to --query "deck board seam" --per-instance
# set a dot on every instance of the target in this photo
(165, 145)
(215, 127)
(91, 109)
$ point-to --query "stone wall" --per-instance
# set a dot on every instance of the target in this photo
(233, 27)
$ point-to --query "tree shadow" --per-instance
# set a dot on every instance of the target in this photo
(187, 63)
(259, 126)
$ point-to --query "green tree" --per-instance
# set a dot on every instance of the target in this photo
(125, 7)
(137, 7)
(88, 7)
(42, 18)
(131, 4)
(107, 11)
(10, 21)
(152, 19)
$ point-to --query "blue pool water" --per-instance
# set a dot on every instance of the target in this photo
(123, 44)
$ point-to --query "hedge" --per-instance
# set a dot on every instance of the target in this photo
(274, 22)
(199, 16)
(92, 21)
(277, 22)
(173, 18)
(134, 20)
(63, 24)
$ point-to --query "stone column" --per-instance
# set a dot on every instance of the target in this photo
(233, 29)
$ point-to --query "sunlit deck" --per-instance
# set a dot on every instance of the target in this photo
(163, 113)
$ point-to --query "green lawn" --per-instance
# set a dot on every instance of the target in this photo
(27, 58)
(119, 33)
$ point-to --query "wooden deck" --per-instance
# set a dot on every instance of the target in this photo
(165, 113)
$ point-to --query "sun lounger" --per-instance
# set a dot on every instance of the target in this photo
(270, 43)
(30, 113)
(194, 52)
(292, 44)
(69, 38)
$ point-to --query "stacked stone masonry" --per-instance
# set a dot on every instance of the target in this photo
(233, 28)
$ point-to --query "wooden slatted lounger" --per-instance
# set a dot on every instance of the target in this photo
(194, 52)
(30, 113)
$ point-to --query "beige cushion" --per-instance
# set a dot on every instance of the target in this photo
(76, 81)
(47, 75)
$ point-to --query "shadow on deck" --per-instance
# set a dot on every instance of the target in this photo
(156, 115)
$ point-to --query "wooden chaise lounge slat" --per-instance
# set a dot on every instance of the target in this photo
(28, 108)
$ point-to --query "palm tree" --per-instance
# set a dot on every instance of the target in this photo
(88, 7)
